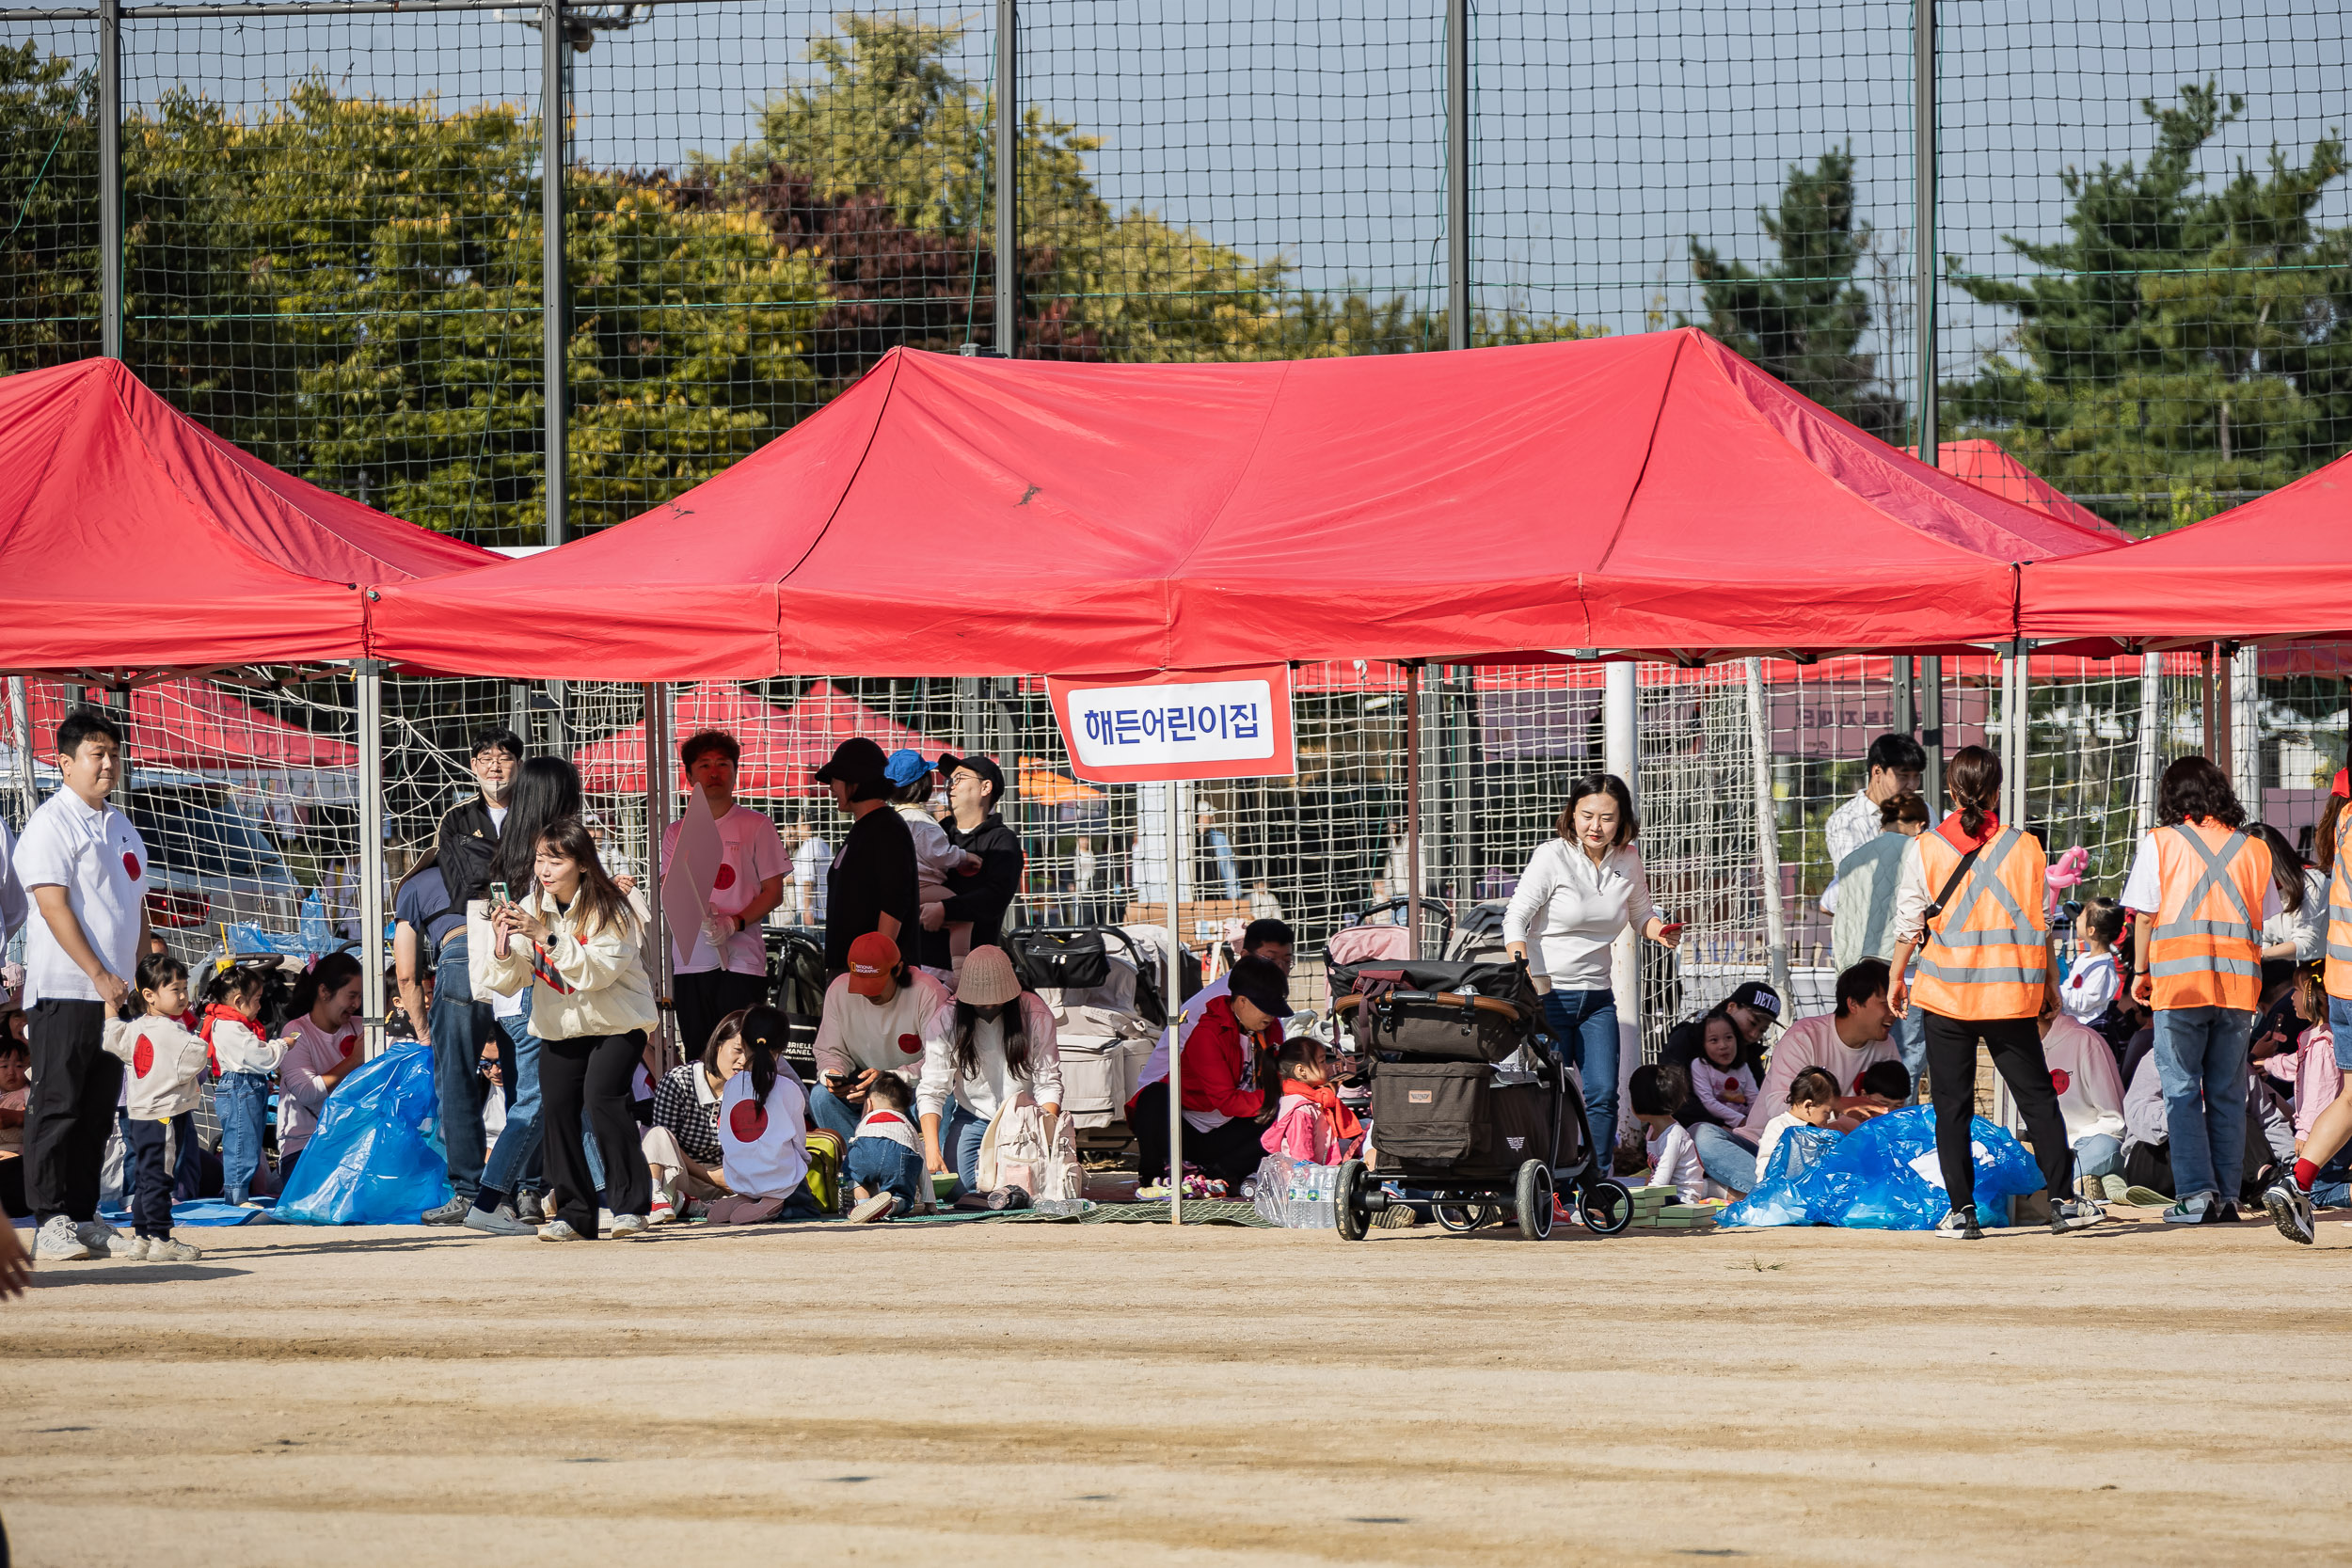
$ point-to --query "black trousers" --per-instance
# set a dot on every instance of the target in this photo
(12, 1189)
(1228, 1154)
(2150, 1165)
(151, 1172)
(593, 1072)
(70, 1110)
(704, 997)
(2016, 1047)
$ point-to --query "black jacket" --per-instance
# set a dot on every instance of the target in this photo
(982, 897)
(1684, 1046)
(467, 840)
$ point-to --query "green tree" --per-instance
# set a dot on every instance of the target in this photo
(49, 288)
(1804, 318)
(2184, 339)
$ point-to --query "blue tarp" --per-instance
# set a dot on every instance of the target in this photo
(1885, 1175)
(376, 1158)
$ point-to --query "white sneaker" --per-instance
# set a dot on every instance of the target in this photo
(879, 1207)
(57, 1241)
(560, 1231)
(1959, 1225)
(661, 1214)
(626, 1226)
(138, 1249)
(163, 1249)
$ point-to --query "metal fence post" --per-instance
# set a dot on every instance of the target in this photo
(21, 742)
(370, 676)
(1923, 217)
(1766, 831)
(1457, 175)
(1412, 803)
(1006, 158)
(1932, 729)
(2246, 727)
(2151, 741)
(110, 178)
(554, 291)
(1621, 754)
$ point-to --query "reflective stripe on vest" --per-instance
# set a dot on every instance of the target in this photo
(1990, 971)
(2339, 970)
(2196, 960)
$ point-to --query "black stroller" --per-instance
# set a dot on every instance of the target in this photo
(1474, 1113)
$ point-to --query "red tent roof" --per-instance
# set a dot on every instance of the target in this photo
(131, 537)
(2275, 569)
(194, 725)
(782, 748)
(950, 516)
(1988, 466)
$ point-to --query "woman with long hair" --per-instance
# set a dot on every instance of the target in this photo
(545, 791)
(1970, 904)
(1582, 886)
(1001, 1045)
(575, 940)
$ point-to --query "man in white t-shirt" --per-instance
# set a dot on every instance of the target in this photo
(880, 1017)
(1147, 1112)
(86, 870)
(723, 965)
(1843, 1043)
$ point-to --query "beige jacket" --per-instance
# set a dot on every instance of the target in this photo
(603, 985)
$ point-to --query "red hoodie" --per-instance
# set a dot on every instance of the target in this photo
(1220, 1069)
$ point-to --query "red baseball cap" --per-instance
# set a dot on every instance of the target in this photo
(872, 958)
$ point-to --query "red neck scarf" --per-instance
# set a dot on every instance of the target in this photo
(218, 1011)
(1958, 837)
(1343, 1120)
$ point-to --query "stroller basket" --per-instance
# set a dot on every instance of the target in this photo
(1463, 1012)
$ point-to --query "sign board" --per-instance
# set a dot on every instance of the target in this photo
(1177, 724)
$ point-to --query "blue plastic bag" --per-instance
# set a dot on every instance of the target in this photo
(1885, 1176)
(377, 1156)
(1776, 1199)
(317, 935)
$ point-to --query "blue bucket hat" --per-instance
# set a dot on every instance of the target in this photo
(905, 767)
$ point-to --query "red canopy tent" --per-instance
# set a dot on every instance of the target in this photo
(133, 538)
(782, 748)
(193, 724)
(1988, 466)
(2277, 569)
(949, 515)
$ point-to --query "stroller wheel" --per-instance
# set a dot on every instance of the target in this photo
(1535, 1201)
(1347, 1202)
(1462, 1218)
(1605, 1207)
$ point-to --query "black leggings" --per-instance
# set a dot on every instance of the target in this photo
(2016, 1047)
(596, 1069)
(1229, 1153)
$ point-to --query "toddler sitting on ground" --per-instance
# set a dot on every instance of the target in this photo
(884, 1167)
(1722, 1086)
(1657, 1093)
(1311, 1124)
(1812, 1102)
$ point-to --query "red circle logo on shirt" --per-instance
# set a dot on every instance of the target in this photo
(130, 866)
(749, 1120)
(2059, 1079)
(911, 1044)
(142, 1056)
(726, 879)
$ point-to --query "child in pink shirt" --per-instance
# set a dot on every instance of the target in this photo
(1311, 1125)
(2318, 1081)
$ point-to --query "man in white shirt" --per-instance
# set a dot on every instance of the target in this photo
(724, 966)
(1895, 764)
(1844, 1043)
(85, 867)
(880, 1017)
(1147, 1112)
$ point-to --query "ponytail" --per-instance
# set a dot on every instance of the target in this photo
(1974, 778)
(765, 1032)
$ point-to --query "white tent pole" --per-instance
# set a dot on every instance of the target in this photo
(1175, 1009)
(21, 739)
(2150, 738)
(1621, 754)
(1767, 832)
(370, 674)
(1412, 803)
(657, 825)
(2246, 728)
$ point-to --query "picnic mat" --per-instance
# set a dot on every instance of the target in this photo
(204, 1211)
(1197, 1212)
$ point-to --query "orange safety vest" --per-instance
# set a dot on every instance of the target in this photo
(2339, 972)
(1986, 954)
(2206, 949)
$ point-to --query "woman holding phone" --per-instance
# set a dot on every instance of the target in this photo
(1582, 887)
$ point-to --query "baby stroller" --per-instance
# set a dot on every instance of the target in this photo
(796, 979)
(1380, 932)
(1108, 1017)
(1473, 1112)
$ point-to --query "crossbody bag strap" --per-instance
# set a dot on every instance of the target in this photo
(1951, 885)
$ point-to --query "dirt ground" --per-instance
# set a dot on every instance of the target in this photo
(991, 1394)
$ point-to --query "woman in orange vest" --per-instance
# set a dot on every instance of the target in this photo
(1970, 903)
(2289, 1198)
(2203, 886)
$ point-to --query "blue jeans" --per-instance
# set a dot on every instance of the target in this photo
(2340, 1030)
(828, 1110)
(1910, 1036)
(460, 1027)
(879, 1165)
(2098, 1155)
(240, 1100)
(2201, 1060)
(959, 1135)
(1728, 1162)
(1583, 1025)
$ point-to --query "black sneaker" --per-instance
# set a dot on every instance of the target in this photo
(2222, 1214)
(2290, 1209)
(1959, 1225)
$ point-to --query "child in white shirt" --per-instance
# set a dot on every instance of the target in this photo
(2092, 983)
(1657, 1093)
(244, 1061)
(1721, 1082)
(1812, 1102)
(884, 1167)
(166, 1065)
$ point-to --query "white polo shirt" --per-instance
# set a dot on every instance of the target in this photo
(101, 862)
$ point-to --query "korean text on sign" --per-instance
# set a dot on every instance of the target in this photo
(1124, 726)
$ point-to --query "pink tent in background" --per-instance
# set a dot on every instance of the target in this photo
(194, 726)
(1985, 464)
(782, 748)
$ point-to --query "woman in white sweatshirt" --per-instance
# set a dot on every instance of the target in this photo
(1581, 888)
(576, 941)
(1000, 1046)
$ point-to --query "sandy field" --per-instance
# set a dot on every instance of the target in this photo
(990, 1394)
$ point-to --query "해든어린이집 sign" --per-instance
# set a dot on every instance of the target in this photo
(1177, 724)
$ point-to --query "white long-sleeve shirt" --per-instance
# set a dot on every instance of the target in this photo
(1569, 910)
(2089, 985)
(2082, 1072)
(1847, 828)
(990, 1082)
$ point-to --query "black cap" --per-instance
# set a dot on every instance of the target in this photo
(1756, 997)
(985, 767)
(1261, 982)
(855, 761)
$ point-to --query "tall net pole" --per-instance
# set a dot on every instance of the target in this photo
(110, 178)
(1457, 174)
(554, 292)
(1923, 219)
(1005, 159)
